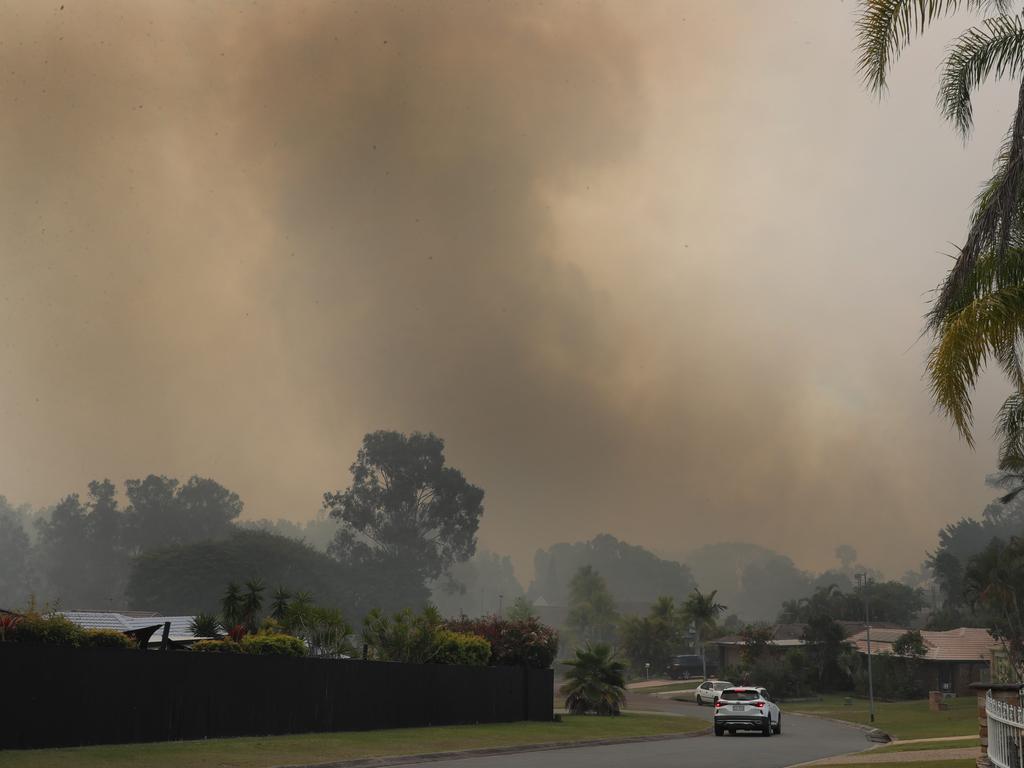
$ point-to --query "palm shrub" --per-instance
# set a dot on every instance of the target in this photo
(595, 682)
(205, 625)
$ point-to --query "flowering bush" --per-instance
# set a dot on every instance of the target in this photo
(36, 629)
(273, 644)
(523, 643)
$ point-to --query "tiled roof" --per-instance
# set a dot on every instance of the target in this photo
(181, 626)
(962, 644)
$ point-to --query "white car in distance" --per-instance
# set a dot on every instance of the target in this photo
(709, 691)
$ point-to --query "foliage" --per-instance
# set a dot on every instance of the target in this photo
(910, 643)
(205, 625)
(279, 606)
(269, 644)
(36, 629)
(522, 609)
(756, 641)
(786, 676)
(231, 605)
(513, 643)
(252, 604)
(592, 612)
(894, 677)
(634, 574)
(163, 512)
(646, 640)
(107, 638)
(459, 648)
(217, 646)
(406, 636)
(324, 630)
(405, 511)
(237, 632)
(890, 601)
(16, 566)
(995, 582)
(8, 623)
(595, 681)
(828, 652)
(474, 586)
(189, 578)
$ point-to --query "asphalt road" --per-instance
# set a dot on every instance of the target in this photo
(802, 739)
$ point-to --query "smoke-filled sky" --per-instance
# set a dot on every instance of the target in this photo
(656, 269)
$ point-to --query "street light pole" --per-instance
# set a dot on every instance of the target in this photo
(864, 581)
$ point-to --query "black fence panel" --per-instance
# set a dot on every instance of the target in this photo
(59, 697)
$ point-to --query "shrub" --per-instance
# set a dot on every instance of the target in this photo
(107, 638)
(217, 646)
(524, 643)
(406, 636)
(273, 644)
(460, 648)
(205, 625)
(35, 629)
(8, 621)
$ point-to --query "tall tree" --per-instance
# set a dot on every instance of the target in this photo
(164, 513)
(592, 612)
(702, 611)
(978, 313)
(15, 559)
(406, 513)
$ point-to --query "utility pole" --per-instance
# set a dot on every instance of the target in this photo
(500, 598)
(863, 580)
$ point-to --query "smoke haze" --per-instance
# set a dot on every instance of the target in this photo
(652, 269)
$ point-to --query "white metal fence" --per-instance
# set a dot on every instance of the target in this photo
(1005, 728)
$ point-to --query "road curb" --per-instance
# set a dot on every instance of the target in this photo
(432, 757)
(867, 730)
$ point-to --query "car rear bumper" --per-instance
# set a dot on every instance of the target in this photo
(740, 721)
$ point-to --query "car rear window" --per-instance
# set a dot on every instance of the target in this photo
(740, 695)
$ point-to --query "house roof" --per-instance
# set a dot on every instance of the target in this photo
(181, 626)
(961, 644)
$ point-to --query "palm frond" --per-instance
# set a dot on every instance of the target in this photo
(885, 28)
(994, 47)
(1010, 431)
(995, 222)
(965, 343)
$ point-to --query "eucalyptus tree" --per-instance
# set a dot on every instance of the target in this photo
(978, 312)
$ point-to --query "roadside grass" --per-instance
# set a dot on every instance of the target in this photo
(263, 752)
(900, 719)
(918, 746)
(967, 763)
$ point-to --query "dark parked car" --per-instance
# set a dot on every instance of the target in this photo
(686, 666)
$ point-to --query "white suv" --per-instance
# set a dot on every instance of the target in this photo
(709, 691)
(747, 709)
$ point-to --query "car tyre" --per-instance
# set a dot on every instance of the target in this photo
(719, 730)
(700, 701)
(767, 729)
(778, 725)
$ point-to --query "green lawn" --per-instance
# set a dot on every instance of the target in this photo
(688, 685)
(919, 745)
(325, 747)
(901, 719)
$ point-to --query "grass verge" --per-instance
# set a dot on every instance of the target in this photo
(918, 746)
(325, 747)
(900, 719)
(680, 686)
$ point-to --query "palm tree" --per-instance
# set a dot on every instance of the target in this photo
(595, 681)
(252, 602)
(703, 612)
(978, 313)
(279, 606)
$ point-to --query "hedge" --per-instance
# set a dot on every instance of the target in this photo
(461, 648)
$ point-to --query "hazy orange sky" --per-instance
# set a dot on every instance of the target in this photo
(656, 269)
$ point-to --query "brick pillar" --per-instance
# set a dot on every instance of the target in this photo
(1002, 692)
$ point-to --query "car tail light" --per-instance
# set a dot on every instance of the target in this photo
(759, 704)
(718, 703)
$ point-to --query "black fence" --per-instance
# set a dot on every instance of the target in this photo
(58, 697)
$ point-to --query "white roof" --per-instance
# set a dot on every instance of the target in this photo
(181, 626)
